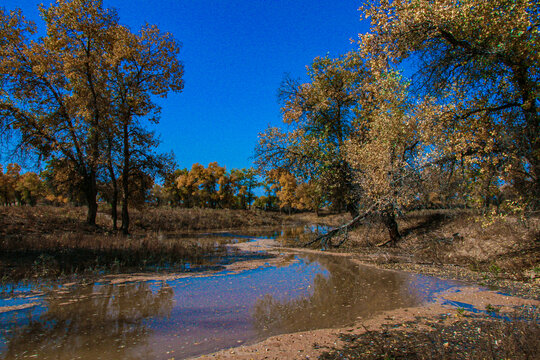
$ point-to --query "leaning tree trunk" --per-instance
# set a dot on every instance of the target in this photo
(325, 240)
(388, 217)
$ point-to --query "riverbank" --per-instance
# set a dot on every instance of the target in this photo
(429, 332)
(54, 243)
(502, 253)
(434, 331)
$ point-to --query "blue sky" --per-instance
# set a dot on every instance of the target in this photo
(235, 53)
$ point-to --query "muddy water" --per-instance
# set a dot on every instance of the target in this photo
(192, 314)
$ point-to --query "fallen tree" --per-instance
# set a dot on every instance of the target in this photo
(325, 240)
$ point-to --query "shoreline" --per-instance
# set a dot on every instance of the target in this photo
(312, 344)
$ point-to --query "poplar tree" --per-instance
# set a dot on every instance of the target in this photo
(80, 94)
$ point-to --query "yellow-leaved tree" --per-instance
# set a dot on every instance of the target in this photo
(319, 114)
(79, 94)
(481, 61)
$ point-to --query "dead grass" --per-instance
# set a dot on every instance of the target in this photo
(24, 257)
(44, 219)
(507, 247)
(48, 241)
(178, 220)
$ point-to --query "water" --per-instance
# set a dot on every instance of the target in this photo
(198, 313)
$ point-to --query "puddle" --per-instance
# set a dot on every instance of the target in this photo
(202, 312)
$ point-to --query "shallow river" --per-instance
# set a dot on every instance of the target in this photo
(183, 315)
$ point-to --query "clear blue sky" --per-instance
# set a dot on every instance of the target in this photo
(235, 53)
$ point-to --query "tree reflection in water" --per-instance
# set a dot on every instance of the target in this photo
(349, 292)
(92, 321)
(145, 320)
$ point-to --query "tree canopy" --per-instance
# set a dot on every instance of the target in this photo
(480, 61)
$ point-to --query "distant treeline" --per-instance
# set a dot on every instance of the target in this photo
(201, 187)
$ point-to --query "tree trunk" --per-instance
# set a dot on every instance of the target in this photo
(125, 182)
(125, 216)
(531, 130)
(91, 199)
(325, 239)
(352, 208)
(112, 177)
(114, 209)
(389, 220)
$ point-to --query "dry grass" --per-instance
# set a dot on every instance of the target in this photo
(43, 219)
(48, 241)
(507, 247)
(88, 254)
(179, 220)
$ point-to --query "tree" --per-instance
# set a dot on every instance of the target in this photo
(386, 150)
(14, 31)
(208, 184)
(62, 182)
(481, 60)
(285, 184)
(244, 181)
(30, 188)
(309, 197)
(269, 201)
(143, 65)
(228, 184)
(54, 89)
(473, 104)
(173, 195)
(250, 182)
(320, 114)
(80, 94)
(188, 186)
(8, 183)
(158, 195)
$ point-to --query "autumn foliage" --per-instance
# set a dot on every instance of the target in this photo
(211, 187)
(462, 130)
(437, 107)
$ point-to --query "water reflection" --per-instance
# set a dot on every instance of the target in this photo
(347, 293)
(287, 235)
(79, 321)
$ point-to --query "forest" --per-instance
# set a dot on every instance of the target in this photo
(461, 131)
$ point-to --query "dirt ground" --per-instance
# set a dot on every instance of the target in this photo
(313, 344)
